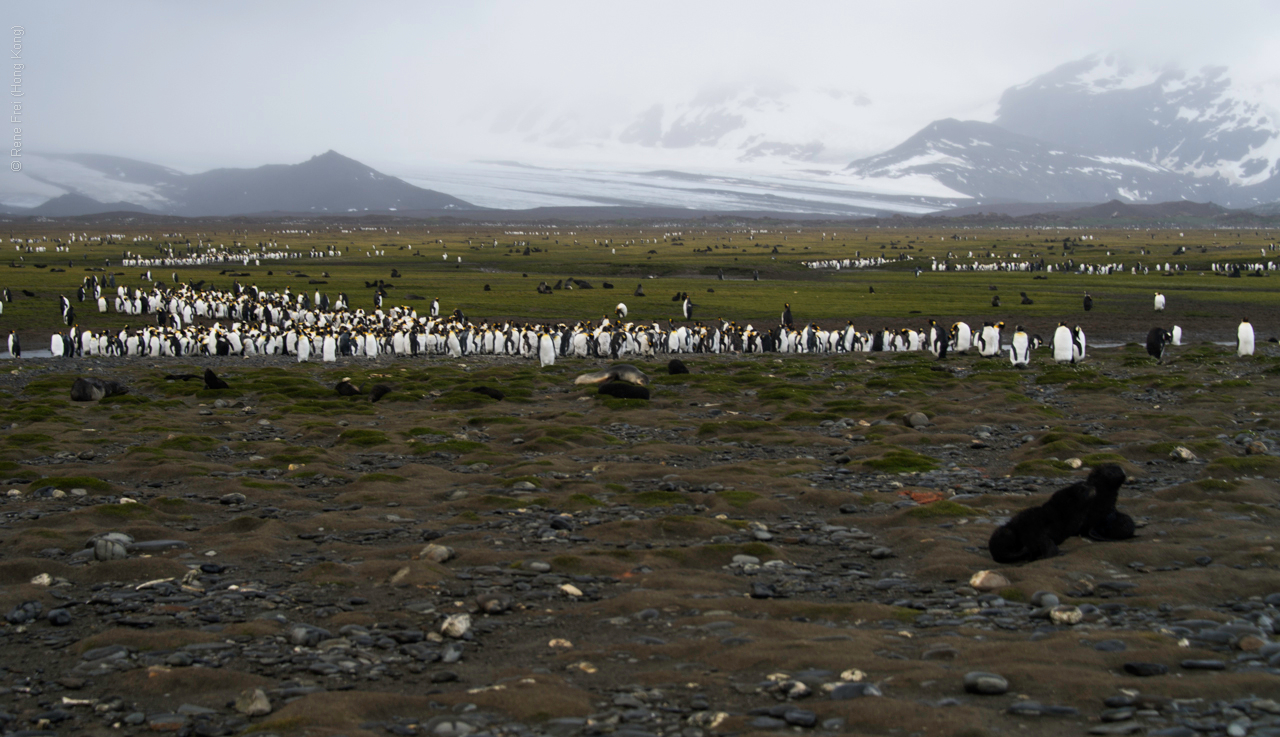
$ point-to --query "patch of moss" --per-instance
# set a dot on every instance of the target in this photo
(74, 482)
(941, 509)
(122, 511)
(658, 498)
(189, 443)
(737, 499)
(387, 477)
(1244, 466)
(263, 484)
(1042, 467)
(27, 438)
(449, 446)
(901, 460)
(363, 437)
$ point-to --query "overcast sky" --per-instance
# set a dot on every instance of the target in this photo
(406, 85)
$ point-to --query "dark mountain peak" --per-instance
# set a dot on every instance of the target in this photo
(73, 203)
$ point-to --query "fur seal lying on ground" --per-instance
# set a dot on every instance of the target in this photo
(92, 390)
(619, 372)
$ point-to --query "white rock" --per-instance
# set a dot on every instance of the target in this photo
(570, 589)
(43, 579)
(1065, 614)
(1074, 462)
(1182, 454)
(437, 553)
(456, 625)
(988, 581)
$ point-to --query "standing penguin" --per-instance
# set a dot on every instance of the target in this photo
(1077, 345)
(1062, 348)
(961, 337)
(1088, 302)
(15, 346)
(989, 340)
(1157, 339)
(937, 340)
(687, 308)
(1244, 338)
(435, 307)
(1020, 348)
(786, 314)
(1159, 302)
(546, 350)
(620, 311)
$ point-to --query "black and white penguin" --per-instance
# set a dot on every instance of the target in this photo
(1077, 344)
(15, 346)
(1062, 344)
(989, 340)
(687, 308)
(546, 350)
(786, 315)
(435, 307)
(1020, 348)
(1159, 302)
(621, 311)
(1157, 339)
(1176, 332)
(1088, 302)
(961, 337)
(938, 342)
(1244, 338)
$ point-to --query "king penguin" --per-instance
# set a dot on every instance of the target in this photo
(1159, 302)
(546, 350)
(1020, 348)
(937, 340)
(688, 308)
(1077, 345)
(1062, 344)
(1176, 332)
(1244, 338)
(961, 337)
(15, 346)
(786, 315)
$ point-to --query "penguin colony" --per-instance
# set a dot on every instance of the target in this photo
(249, 321)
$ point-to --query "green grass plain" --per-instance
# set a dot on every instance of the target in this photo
(664, 265)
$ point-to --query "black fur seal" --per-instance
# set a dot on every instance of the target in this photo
(490, 392)
(676, 366)
(619, 372)
(211, 381)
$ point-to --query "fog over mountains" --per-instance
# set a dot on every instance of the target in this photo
(1093, 130)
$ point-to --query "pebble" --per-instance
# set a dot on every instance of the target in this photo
(1144, 670)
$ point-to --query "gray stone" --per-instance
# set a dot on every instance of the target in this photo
(986, 684)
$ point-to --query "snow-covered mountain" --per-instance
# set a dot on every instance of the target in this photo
(81, 184)
(989, 163)
(1097, 129)
(1197, 124)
